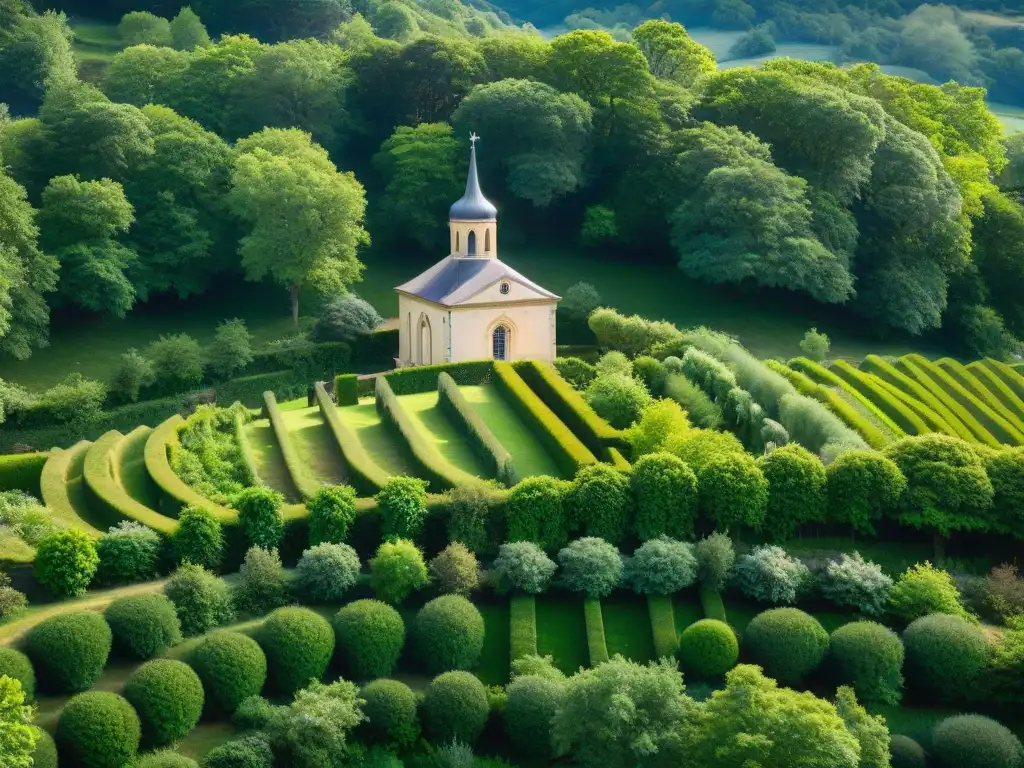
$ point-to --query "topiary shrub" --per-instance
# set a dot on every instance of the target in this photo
(906, 753)
(261, 582)
(259, 515)
(788, 643)
(231, 666)
(448, 633)
(327, 571)
(530, 707)
(923, 589)
(402, 502)
(15, 665)
(397, 570)
(247, 752)
(370, 636)
(945, 656)
(390, 709)
(143, 626)
(869, 657)
(708, 648)
(66, 562)
(45, 754)
(455, 570)
(600, 503)
(128, 552)
(332, 511)
(769, 575)
(69, 650)
(298, 644)
(591, 566)
(522, 566)
(202, 600)
(661, 566)
(617, 398)
(166, 758)
(98, 730)
(665, 491)
(198, 539)
(797, 490)
(973, 741)
(168, 696)
(732, 490)
(454, 708)
(535, 512)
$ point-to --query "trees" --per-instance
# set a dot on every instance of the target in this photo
(231, 349)
(34, 51)
(796, 489)
(143, 27)
(346, 318)
(863, 487)
(671, 53)
(18, 736)
(187, 31)
(306, 218)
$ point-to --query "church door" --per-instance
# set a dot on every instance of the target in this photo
(499, 343)
(426, 353)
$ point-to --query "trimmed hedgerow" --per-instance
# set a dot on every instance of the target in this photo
(712, 604)
(490, 450)
(522, 611)
(708, 648)
(22, 472)
(143, 626)
(390, 709)
(332, 511)
(60, 478)
(878, 392)
(15, 665)
(69, 650)
(665, 491)
(597, 647)
(346, 389)
(423, 378)
(231, 666)
(455, 708)
(298, 644)
(168, 696)
(663, 625)
(535, 512)
(796, 490)
(66, 562)
(304, 483)
(160, 440)
(973, 741)
(600, 503)
(199, 538)
(98, 730)
(202, 600)
(788, 643)
(448, 633)
(366, 476)
(530, 708)
(906, 753)
(889, 373)
(869, 657)
(835, 384)
(370, 637)
(711, 375)
(999, 386)
(945, 657)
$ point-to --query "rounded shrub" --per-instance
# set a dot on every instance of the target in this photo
(66, 562)
(247, 752)
(455, 570)
(529, 710)
(973, 741)
(907, 753)
(45, 753)
(708, 648)
(332, 511)
(202, 600)
(198, 539)
(665, 489)
(298, 644)
(788, 643)
(591, 566)
(455, 707)
(661, 566)
(600, 502)
(15, 665)
(69, 650)
(397, 570)
(796, 489)
(327, 571)
(732, 491)
(259, 515)
(98, 730)
(143, 626)
(231, 666)
(390, 709)
(370, 636)
(128, 552)
(262, 585)
(945, 656)
(535, 512)
(869, 657)
(168, 697)
(923, 589)
(522, 566)
(166, 758)
(448, 634)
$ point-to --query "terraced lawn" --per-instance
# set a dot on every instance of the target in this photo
(436, 426)
(627, 627)
(528, 454)
(562, 631)
(383, 445)
(269, 460)
(315, 444)
(132, 473)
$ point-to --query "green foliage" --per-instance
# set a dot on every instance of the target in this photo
(166, 758)
(455, 570)
(262, 585)
(142, 27)
(671, 53)
(168, 697)
(19, 737)
(788, 643)
(699, 407)
(454, 707)
(770, 575)
(591, 566)
(259, 514)
(733, 491)
(863, 488)
(522, 617)
(870, 731)
(715, 558)
(98, 729)
(177, 361)
(298, 644)
(578, 372)
(971, 741)
(485, 444)
(202, 600)
(600, 502)
(128, 552)
(815, 345)
(69, 650)
(945, 657)
(231, 349)
(854, 582)
(143, 626)
(470, 512)
(232, 667)
(326, 571)
(661, 422)
(390, 709)
(187, 31)
(924, 589)
(12, 602)
(245, 752)
(448, 634)
(522, 566)
(15, 665)
(531, 706)
(796, 489)
(332, 511)
(66, 562)
(370, 636)
(661, 566)
(708, 648)
(45, 754)
(134, 371)
(617, 398)
(346, 318)
(713, 376)
(403, 506)
(665, 491)
(632, 335)
(397, 570)
(598, 228)
(208, 455)
(582, 298)
(198, 539)
(869, 657)
(907, 753)
(535, 512)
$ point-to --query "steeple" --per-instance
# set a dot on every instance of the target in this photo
(473, 206)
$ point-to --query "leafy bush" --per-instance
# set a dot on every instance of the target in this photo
(134, 371)
(697, 447)
(863, 488)
(455, 570)
(614, 362)
(298, 644)
(815, 345)
(259, 514)
(796, 490)
(532, 702)
(12, 601)
(591, 566)
(25, 516)
(232, 667)
(617, 398)
(454, 707)
(45, 754)
(708, 648)
(177, 362)
(522, 566)
(246, 752)
(579, 373)
(231, 349)
(448, 634)
(869, 657)
(168, 697)
(99, 730)
(144, 28)
(660, 421)
(390, 709)
(700, 408)
(370, 636)
(397, 570)
(599, 501)
(579, 301)
(15, 665)
(788, 643)
(198, 538)
(661, 566)
(66, 562)
(733, 491)
(332, 511)
(906, 753)
(166, 758)
(469, 515)
(769, 575)
(76, 401)
(403, 506)
(261, 586)
(715, 558)
(814, 426)
(924, 589)
(535, 512)
(538, 666)
(208, 455)
(632, 335)
(327, 571)
(128, 552)
(973, 741)
(945, 656)
(651, 373)
(202, 600)
(665, 491)
(143, 626)
(853, 581)
(1004, 592)
(346, 318)
(69, 650)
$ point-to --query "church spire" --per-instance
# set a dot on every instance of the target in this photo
(473, 206)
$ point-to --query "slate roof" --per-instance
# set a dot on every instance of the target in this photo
(454, 280)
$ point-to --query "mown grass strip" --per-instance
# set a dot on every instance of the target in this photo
(522, 626)
(1008, 375)
(712, 603)
(130, 468)
(872, 389)
(597, 646)
(663, 625)
(365, 475)
(991, 397)
(823, 376)
(999, 388)
(562, 631)
(627, 627)
(305, 484)
(487, 447)
(63, 490)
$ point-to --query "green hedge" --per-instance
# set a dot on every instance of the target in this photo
(249, 390)
(245, 448)
(663, 625)
(1005, 394)
(365, 475)
(999, 399)
(304, 483)
(62, 488)
(616, 459)
(1007, 375)
(465, 416)
(712, 603)
(431, 465)
(377, 350)
(22, 472)
(918, 391)
(568, 452)
(594, 619)
(309, 362)
(875, 390)
(175, 492)
(522, 626)
(412, 381)
(346, 389)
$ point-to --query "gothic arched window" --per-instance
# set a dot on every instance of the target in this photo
(471, 244)
(499, 342)
(487, 240)
(456, 242)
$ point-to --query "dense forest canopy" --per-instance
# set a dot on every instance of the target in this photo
(898, 200)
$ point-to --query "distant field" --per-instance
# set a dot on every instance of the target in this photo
(96, 44)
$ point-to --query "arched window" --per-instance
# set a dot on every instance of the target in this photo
(456, 242)
(487, 240)
(471, 244)
(499, 343)
(408, 334)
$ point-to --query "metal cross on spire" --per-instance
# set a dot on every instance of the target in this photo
(473, 138)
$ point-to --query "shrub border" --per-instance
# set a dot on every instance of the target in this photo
(23, 472)
(913, 370)
(175, 491)
(872, 388)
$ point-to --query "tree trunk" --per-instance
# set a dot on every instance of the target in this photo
(295, 305)
(938, 547)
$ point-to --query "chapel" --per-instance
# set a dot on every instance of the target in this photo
(470, 305)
